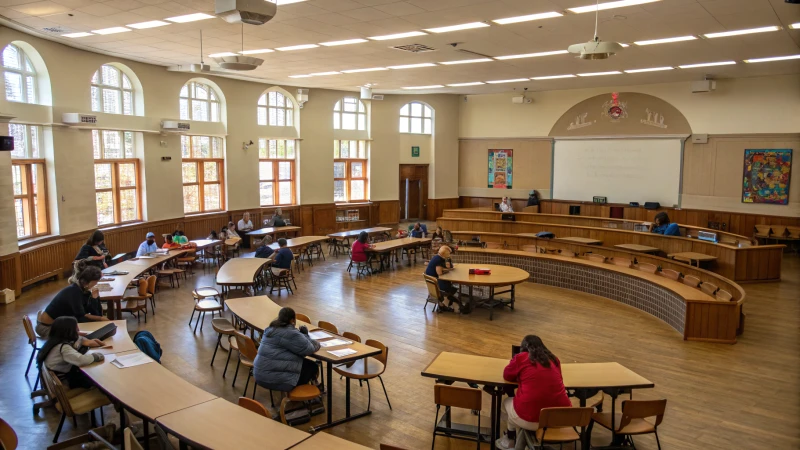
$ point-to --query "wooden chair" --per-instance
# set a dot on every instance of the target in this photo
(224, 328)
(778, 231)
(8, 437)
(135, 304)
(231, 247)
(709, 288)
(560, 425)
(762, 231)
(631, 421)
(170, 273)
(723, 295)
(254, 406)
(671, 274)
(186, 262)
(647, 267)
(328, 326)
(567, 253)
(129, 440)
(793, 232)
(247, 354)
(623, 262)
(456, 397)
(596, 258)
(281, 279)
(302, 318)
(435, 295)
(35, 342)
(302, 393)
(368, 368)
(73, 402)
(351, 336)
(494, 245)
(691, 280)
(152, 285)
(206, 299)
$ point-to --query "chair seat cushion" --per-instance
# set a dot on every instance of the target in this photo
(205, 293)
(208, 305)
(557, 435)
(247, 362)
(87, 401)
(222, 325)
(637, 426)
(304, 392)
(362, 369)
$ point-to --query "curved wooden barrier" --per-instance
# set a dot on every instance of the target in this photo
(690, 311)
(753, 263)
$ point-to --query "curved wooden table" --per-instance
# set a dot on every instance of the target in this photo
(501, 276)
(240, 272)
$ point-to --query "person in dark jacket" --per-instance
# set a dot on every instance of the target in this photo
(78, 300)
(94, 251)
(533, 198)
(281, 363)
(264, 250)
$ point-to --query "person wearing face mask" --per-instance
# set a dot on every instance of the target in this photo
(148, 246)
(78, 300)
(94, 250)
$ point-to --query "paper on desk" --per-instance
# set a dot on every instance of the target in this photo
(342, 352)
(318, 335)
(335, 342)
(104, 287)
(132, 360)
(145, 257)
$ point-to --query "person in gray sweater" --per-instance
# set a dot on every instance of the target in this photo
(281, 362)
(61, 355)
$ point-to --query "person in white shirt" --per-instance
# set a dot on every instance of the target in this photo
(232, 230)
(245, 226)
(505, 206)
(61, 353)
(148, 246)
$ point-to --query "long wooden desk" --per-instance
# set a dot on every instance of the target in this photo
(240, 272)
(261, 232)
(355, 233)
(500, 276)
(690, 311)
(257, 312)
(120, 342)
(384, 249)
(301, 241)
(753, 263)
(325, 441)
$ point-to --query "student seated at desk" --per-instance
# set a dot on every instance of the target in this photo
(148, 246)
(358, 251)
(662, 225)
(281, 363)
(179, 238)
(438, 234)
(170, 243)
(437, 266)
(94, 250)
(213, 236)
(538, 373)
(505, 206)
(282, 259)
(232, 231)
(417, 232)
(78, 300)
(264, 250)
(60, 353)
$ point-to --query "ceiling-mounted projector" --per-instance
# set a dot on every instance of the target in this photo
(238, 62)
(595, 49)
(252, 12)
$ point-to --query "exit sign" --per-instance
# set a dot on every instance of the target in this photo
(415, 152)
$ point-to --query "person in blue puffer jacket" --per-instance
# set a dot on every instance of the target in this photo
(281, 364)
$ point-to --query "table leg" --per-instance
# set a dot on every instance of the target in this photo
(146, 426)
(329, 376)
(331, 423)
(118, 307)
(347, 399)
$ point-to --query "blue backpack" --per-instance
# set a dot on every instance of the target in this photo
(148, 345)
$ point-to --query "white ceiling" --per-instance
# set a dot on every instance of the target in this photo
(316, 21)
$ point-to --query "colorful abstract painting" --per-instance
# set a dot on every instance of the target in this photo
(766, 176)
(500, 169)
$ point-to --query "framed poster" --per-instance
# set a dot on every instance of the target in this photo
(500, 169)
(766, 176)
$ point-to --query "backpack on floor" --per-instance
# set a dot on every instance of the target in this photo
(148, 345)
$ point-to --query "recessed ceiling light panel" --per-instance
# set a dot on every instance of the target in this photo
(609, 5)
(514, 80)
(77, 35)
(296, 47)
(257, 51)
(463, 26)
(344, 42)
(666, 40)
(473, 83)
(322, 74)
(598, 74)
(368, 69)
(795, 26)
(150, 24)
(220, 55)
(189, 18)
(299, 76)
(466, 61)
(532, 55)
(741, 32)
(651, 69)
(771, 59)
(433, 86)
(711, 64)
(387, 37)
(553, 77)
(412, 66)
(528, 18)
(112, 30)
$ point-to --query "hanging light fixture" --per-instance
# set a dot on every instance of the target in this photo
(595, 49)
(238, 62)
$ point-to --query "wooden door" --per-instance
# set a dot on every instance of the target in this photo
(414, 199)
(403, 191)
(413, 191)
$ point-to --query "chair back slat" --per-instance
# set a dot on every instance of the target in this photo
(57, 391)
(151, 284)
(494, 245)
(247, 347)
(567, 253)
(763, 230)
(352, 336)
(709, 288)
(671, 274)
(565, 417)
(433, 287)
(328, 326)
(130, 441)
(457, 397)
(28, 325)
(143, 285)
(691, 280)
(384, 356)
(618, 261)
(8, 437)
(530, 248)
(302, 318)
(647, 267)
(724, 295)
(252, 405)
(642, 409)
(597, 258)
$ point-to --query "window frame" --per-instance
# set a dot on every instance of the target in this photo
(408, 118)
(116, 189)
(276, 180)
(121, 89)
(24, 61)
(213, 101)
(200, 174)
(263, 109)
(339, 111)
(29, 197)
(349, 178)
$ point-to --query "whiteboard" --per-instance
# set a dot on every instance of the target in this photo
(623, 170)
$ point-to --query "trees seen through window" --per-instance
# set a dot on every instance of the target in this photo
(349, 170)
(112, 91)
(19, 75)
(116, 177)
(202, 173)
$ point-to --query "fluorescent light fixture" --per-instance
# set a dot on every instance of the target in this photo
(466, 61)
(463, 26)
(515, 80)
(651, 69)
(77, 35)
(527, 18)
(624, 45)
(795, 26)
(609, 5)
(433, 86)
(368, 69)
(412, 66)
(473, 83)
(296, 47)
(386, 37)
(299, 76)
(256, 52)
(344, 42)
(287, 2)
(189, 18)
(150, 24)
(773, 58)
(322, 74)
(666, 40)
(219, 55)
(597, 74)
(112, 30)
(741, 32)
(711, 64)
(531, 55)
(553, 77)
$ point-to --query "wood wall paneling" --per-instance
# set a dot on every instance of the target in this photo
(324, 219)
(436, 206)
(11, 273)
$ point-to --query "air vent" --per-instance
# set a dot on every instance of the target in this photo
(55, 30)
(415, 48)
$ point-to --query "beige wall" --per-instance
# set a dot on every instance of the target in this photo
(532, 167)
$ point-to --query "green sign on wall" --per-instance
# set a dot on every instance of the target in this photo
(415, 152)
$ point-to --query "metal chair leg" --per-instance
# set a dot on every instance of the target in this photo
(30, 361)
(384, 392)
(219, 340)
(226, 362)
(60, 425)
(235, 374)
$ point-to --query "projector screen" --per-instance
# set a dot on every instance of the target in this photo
(623, 170)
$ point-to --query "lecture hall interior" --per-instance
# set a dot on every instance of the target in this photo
(517, 224)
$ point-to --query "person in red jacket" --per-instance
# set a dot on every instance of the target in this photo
(538, 373)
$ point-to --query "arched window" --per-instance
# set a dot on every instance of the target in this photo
(199, 102)
(19, 75)
(349, 113)
(416, 117)
(112, 91)
(275, 110)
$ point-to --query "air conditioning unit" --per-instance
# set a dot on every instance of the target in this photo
(302, 97)
(703, 86)
(173, 126)
(521, 99)
(366, 93)
(699, 139)
(252, 12)
(79, 119)
(377, 96)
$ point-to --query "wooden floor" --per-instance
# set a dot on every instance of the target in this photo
(742, 396)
